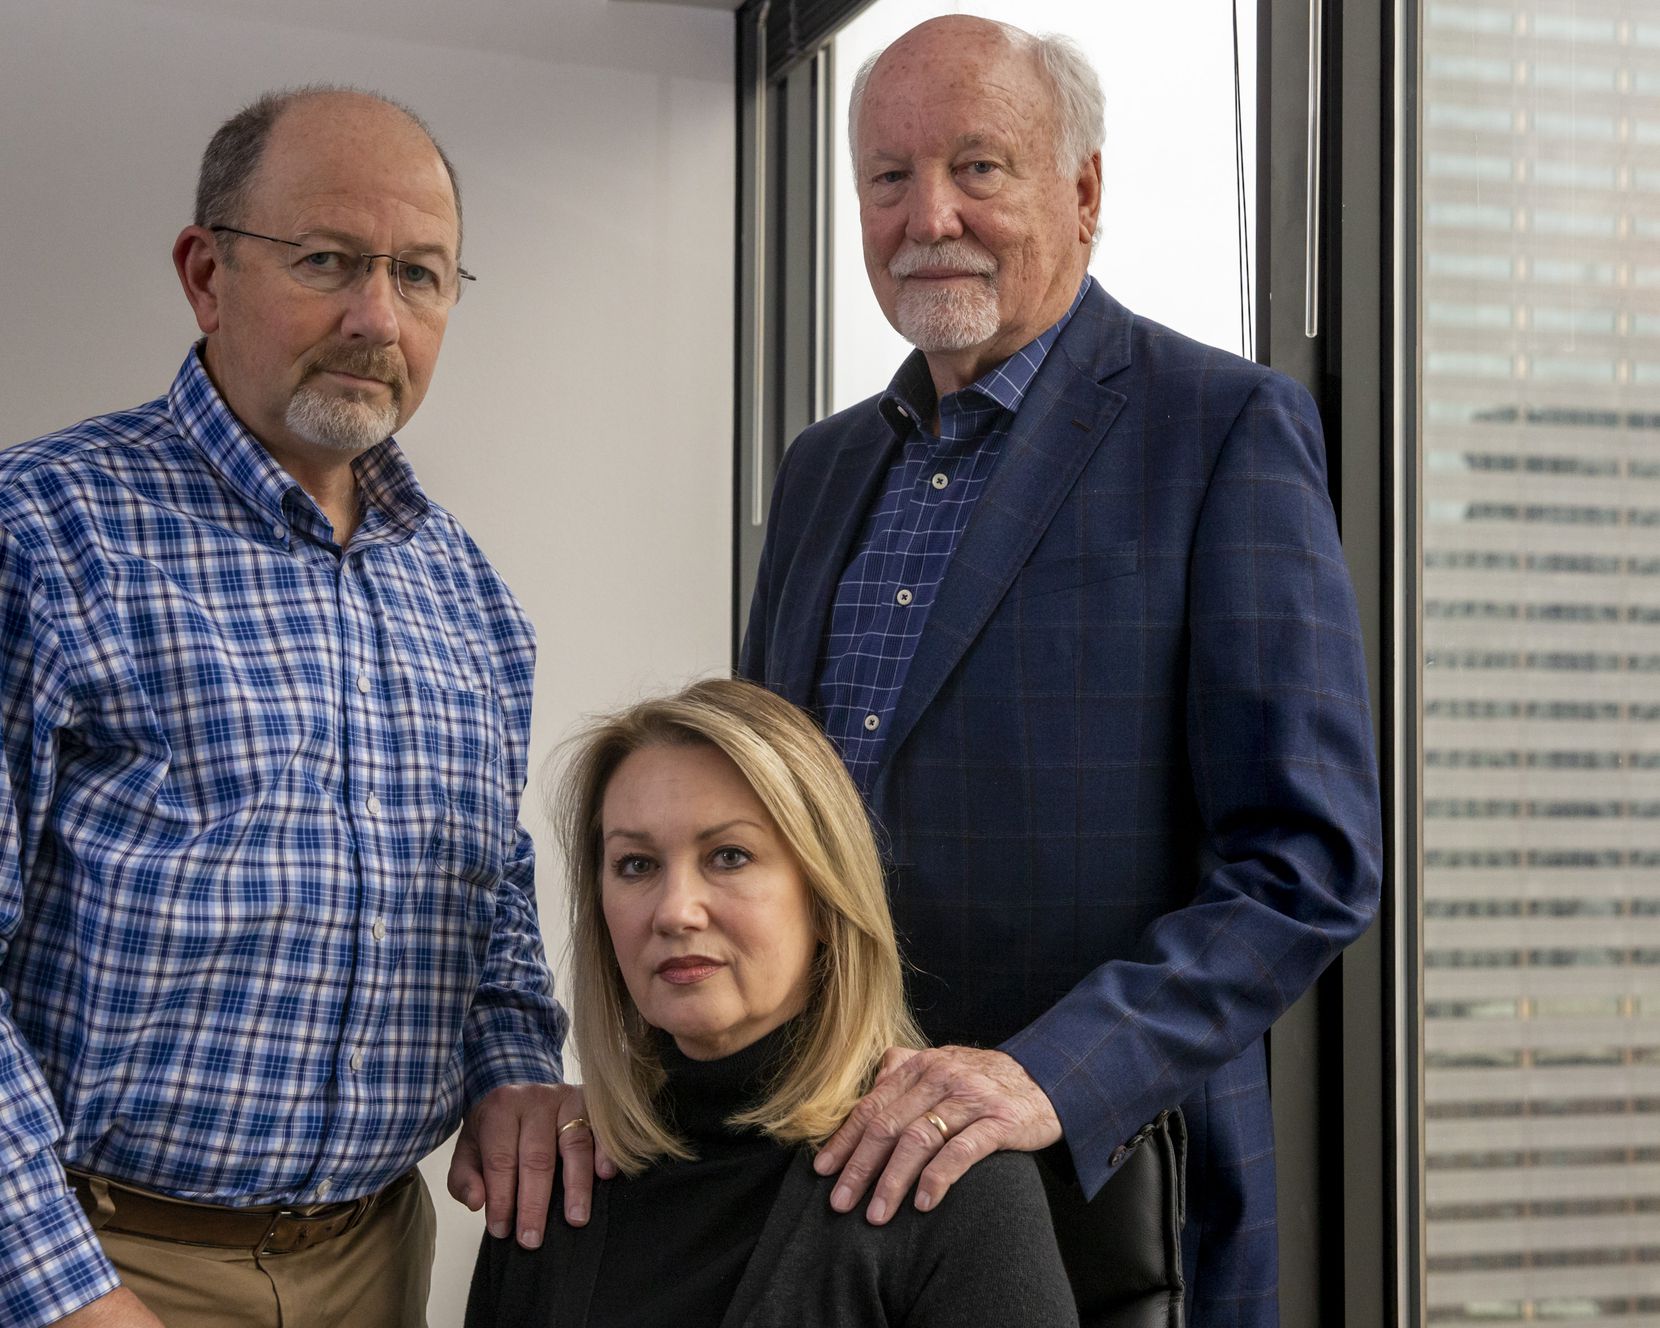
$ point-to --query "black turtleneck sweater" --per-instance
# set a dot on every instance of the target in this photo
(679, 1234)
(744, 1235)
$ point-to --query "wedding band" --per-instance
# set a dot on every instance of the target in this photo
(574, 1120)
(938, 1124)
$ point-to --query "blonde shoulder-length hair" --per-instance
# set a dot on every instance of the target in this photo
(857, 1007)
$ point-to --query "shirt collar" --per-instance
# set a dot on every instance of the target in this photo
(909, 400)
(391, 495)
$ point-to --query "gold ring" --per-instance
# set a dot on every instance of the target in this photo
(574, 1120)
(938, 1124)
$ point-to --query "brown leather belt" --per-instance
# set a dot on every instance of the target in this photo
(268, 1229)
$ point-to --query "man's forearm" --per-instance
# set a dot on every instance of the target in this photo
(118, 1309)
(515, 1031)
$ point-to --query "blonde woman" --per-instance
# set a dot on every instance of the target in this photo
(736, 983)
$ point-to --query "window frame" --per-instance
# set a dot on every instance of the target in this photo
(784, 196)
(1345, 1133)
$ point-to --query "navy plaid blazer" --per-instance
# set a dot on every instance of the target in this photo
(1129, 795)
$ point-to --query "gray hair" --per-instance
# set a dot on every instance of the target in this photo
(234, 152)
(1080, 107)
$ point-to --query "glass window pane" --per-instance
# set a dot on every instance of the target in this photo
(1539, 358)
(1168, 246)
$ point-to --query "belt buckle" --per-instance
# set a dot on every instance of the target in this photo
(262, 1248)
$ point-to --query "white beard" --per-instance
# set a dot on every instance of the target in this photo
(936, 316)
(947, 318)
(338, 423)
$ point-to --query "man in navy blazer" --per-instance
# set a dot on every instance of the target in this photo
(1069, 598)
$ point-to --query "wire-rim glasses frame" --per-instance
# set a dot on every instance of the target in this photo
(359, 265)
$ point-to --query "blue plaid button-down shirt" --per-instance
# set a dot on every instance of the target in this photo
(266, 912)
(912, 530)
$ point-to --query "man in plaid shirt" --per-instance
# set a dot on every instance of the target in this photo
(267, 923)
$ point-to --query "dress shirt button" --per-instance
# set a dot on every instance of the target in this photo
(363, 682)
(872, 723)
(940, 480)
(323, 1187)
(356, 1061)
(378, 930)
(903, 598)
(279, 532)
(372, 802)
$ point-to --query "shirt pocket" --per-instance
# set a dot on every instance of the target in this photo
(458, 746)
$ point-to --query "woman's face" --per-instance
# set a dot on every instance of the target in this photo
(709, 913)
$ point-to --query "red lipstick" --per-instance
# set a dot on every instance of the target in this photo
(683, 970)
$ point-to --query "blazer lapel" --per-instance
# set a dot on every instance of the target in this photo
(809, 589)
(1059, 426)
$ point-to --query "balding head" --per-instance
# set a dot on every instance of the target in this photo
(1074, 91)
(237, 148)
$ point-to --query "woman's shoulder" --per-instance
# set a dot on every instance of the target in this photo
(1001, 1173)
(997, 1193)
(984, 1254)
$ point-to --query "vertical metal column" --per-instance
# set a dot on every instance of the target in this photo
(1326, 130)
(782, 348)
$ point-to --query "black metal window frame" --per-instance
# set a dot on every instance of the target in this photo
(1328, 113)
(1332, 314)
(786, 183)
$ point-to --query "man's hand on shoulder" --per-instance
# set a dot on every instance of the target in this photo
(509, 1147)
(933, 1114)
(120, 1309)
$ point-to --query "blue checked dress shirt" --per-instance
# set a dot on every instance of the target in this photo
(266, 913)
(914, 526)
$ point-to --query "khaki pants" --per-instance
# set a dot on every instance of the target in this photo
(373, 1276)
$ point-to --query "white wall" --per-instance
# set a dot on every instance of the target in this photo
(580, 423)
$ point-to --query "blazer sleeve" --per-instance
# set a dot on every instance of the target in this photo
(1279, 742)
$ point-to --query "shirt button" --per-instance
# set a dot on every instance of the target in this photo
(872, 723)
(372, 802)
(363, 682)
(356, 1061)
(323, 1187)
(903, 598)
(940, 480)
(378, 930)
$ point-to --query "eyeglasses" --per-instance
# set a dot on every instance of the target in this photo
(425, 278)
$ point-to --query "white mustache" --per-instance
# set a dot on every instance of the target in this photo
(951, 254)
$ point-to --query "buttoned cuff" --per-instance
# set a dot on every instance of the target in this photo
(502, 1055)
(1092, 1131)
(51, 1264)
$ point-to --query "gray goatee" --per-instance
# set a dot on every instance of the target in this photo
(348, 422)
